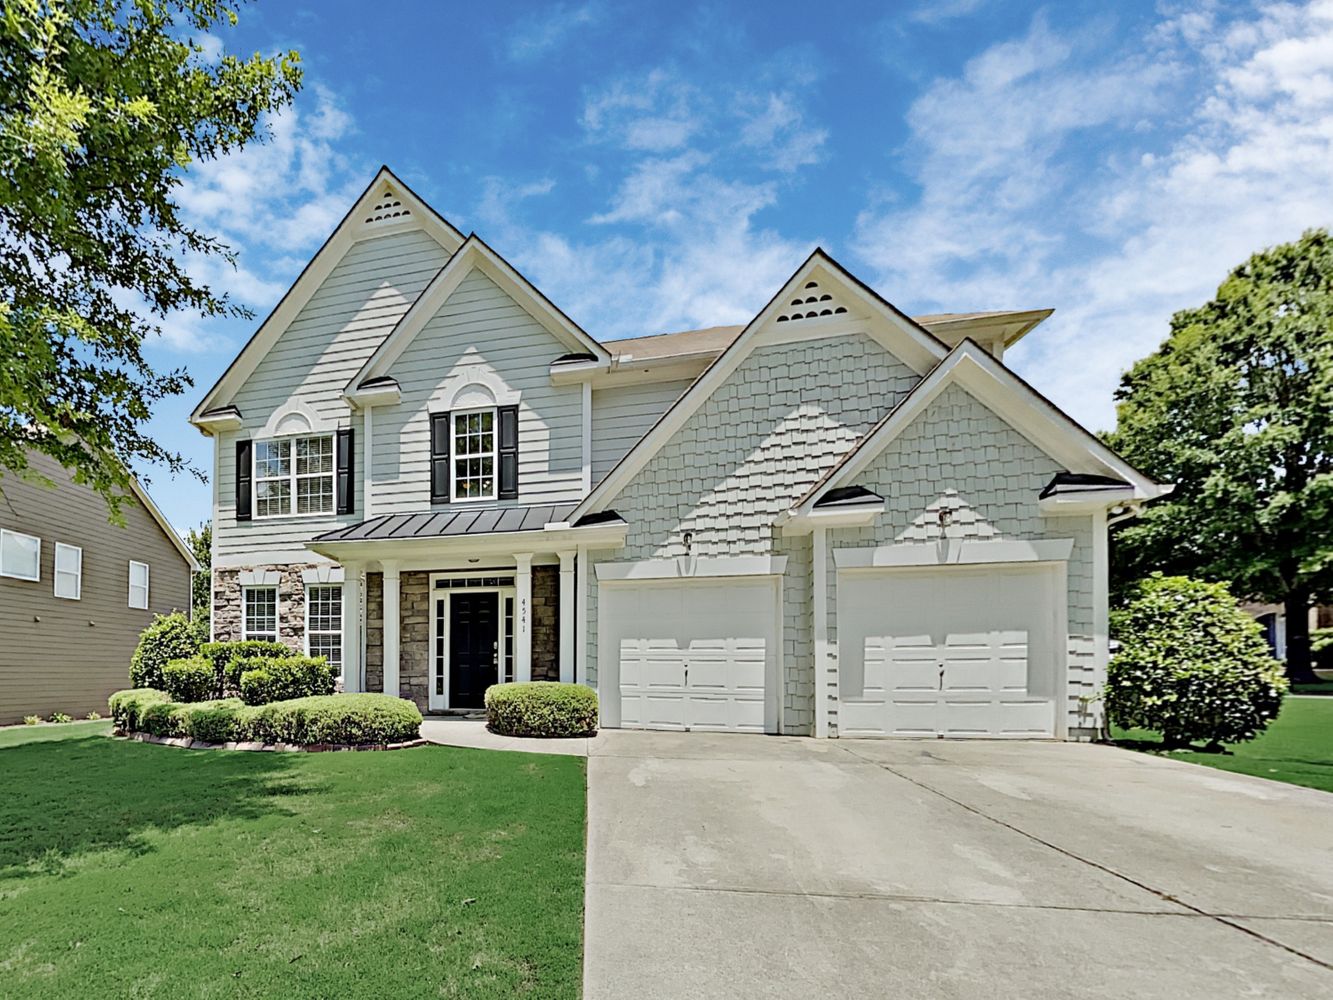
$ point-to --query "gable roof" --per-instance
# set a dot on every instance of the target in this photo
(915, 346)
(1014, 400)
(156, 514)
(474, 253)
(387, 205)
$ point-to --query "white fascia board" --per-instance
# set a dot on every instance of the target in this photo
(690, 567)
(849, 516)
(474, 253)
(349, 231)
(913, 344)
(974, 368)
(375, 395)
(224, 419)
(953, 551)
(570, 372)
(1086, 501)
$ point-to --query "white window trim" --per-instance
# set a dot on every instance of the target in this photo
(147, 587)
(35, 538)
(342, 613)
(246, 634)
(78, 573)
(493, 454)
(291, 477)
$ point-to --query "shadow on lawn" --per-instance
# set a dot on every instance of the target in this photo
(69, 797)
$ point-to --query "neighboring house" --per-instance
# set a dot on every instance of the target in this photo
(76, 591)
(1273, 619)
(836, 519)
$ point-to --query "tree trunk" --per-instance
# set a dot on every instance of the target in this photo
(1297, 607)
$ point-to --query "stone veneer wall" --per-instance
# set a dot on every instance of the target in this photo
(546, 623)
(227, 609)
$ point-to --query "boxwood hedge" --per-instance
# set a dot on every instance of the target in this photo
(188, 680)
(282, 678)
(231, 659)
(350, 719)
(541, 708)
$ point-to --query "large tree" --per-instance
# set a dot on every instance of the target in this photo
(103, 103)
(1236, 408)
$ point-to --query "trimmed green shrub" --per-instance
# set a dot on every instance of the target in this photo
(163, 718)
(218, 721)
(282, 678)
(169, 637)
(356, 719)
(1191, 665)
(188, 680)
(541, 708)
(231, 659)
(127, 706)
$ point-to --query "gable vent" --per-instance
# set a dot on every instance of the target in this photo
(388, 207)
(809, 303)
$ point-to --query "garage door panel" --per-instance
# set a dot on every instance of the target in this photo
(692, 655)
(945, 652)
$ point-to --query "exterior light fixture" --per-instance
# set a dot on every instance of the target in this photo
(945, 517)
(688, 539)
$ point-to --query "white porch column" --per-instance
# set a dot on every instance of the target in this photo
(523, 618)
(581, 622)
(352, 630)
(392, 607)
(822, 651)
(567, 613)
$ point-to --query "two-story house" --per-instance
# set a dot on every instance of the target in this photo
(836, 519)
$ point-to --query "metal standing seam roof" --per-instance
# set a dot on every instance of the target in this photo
(443, 524)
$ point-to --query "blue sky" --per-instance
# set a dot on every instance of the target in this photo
(663, 166)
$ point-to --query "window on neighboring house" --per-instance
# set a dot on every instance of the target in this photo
(20, 555)
(474, 455)
(260, 619)
(294, 476)
(139, 585)
(324, 624)
(69, 571)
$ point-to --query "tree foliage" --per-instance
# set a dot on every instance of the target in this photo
(1191, 665)
(1236, 408)
(102, 104)
(200, 541)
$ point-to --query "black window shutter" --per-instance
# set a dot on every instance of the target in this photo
(508, 452)
(344, 457)
(439, 458)
(244, 470)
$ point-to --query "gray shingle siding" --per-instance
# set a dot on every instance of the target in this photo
(958, 443)
(782, 419)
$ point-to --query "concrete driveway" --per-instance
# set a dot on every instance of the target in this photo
(735, 866)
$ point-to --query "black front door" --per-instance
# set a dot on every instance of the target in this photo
(473, 647)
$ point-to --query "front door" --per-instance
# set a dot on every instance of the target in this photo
(474, 646)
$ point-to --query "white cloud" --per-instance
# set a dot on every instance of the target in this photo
(940, 11)
(1118, 189)
(536, 35)
(777, 130)
(653, 113)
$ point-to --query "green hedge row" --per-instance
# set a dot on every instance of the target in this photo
(541, 708)
(355, 719)
(282, 678)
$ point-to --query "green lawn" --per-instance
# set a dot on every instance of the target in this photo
(1297, 748)
(128, 869)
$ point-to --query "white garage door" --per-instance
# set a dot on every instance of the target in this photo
(689, 655)
(964, 651)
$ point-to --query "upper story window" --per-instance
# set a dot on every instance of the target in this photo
(474, 455)
(139, 585)
(69, 571)
(20, 555)
(294, 476)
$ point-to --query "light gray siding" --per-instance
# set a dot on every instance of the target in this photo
(480, 335)
(782, 419)
(623, 414)
(326, 344)
(957, 443)
(66, 655)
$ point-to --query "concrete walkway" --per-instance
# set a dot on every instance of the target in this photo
(456, 731)
(734, 866)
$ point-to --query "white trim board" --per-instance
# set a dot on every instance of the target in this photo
(353, 228)
(687, 568)
(954, 551)
(904, 338)
(474, 254)
(1009, 397)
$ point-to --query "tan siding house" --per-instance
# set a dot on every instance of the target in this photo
(66, 638)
